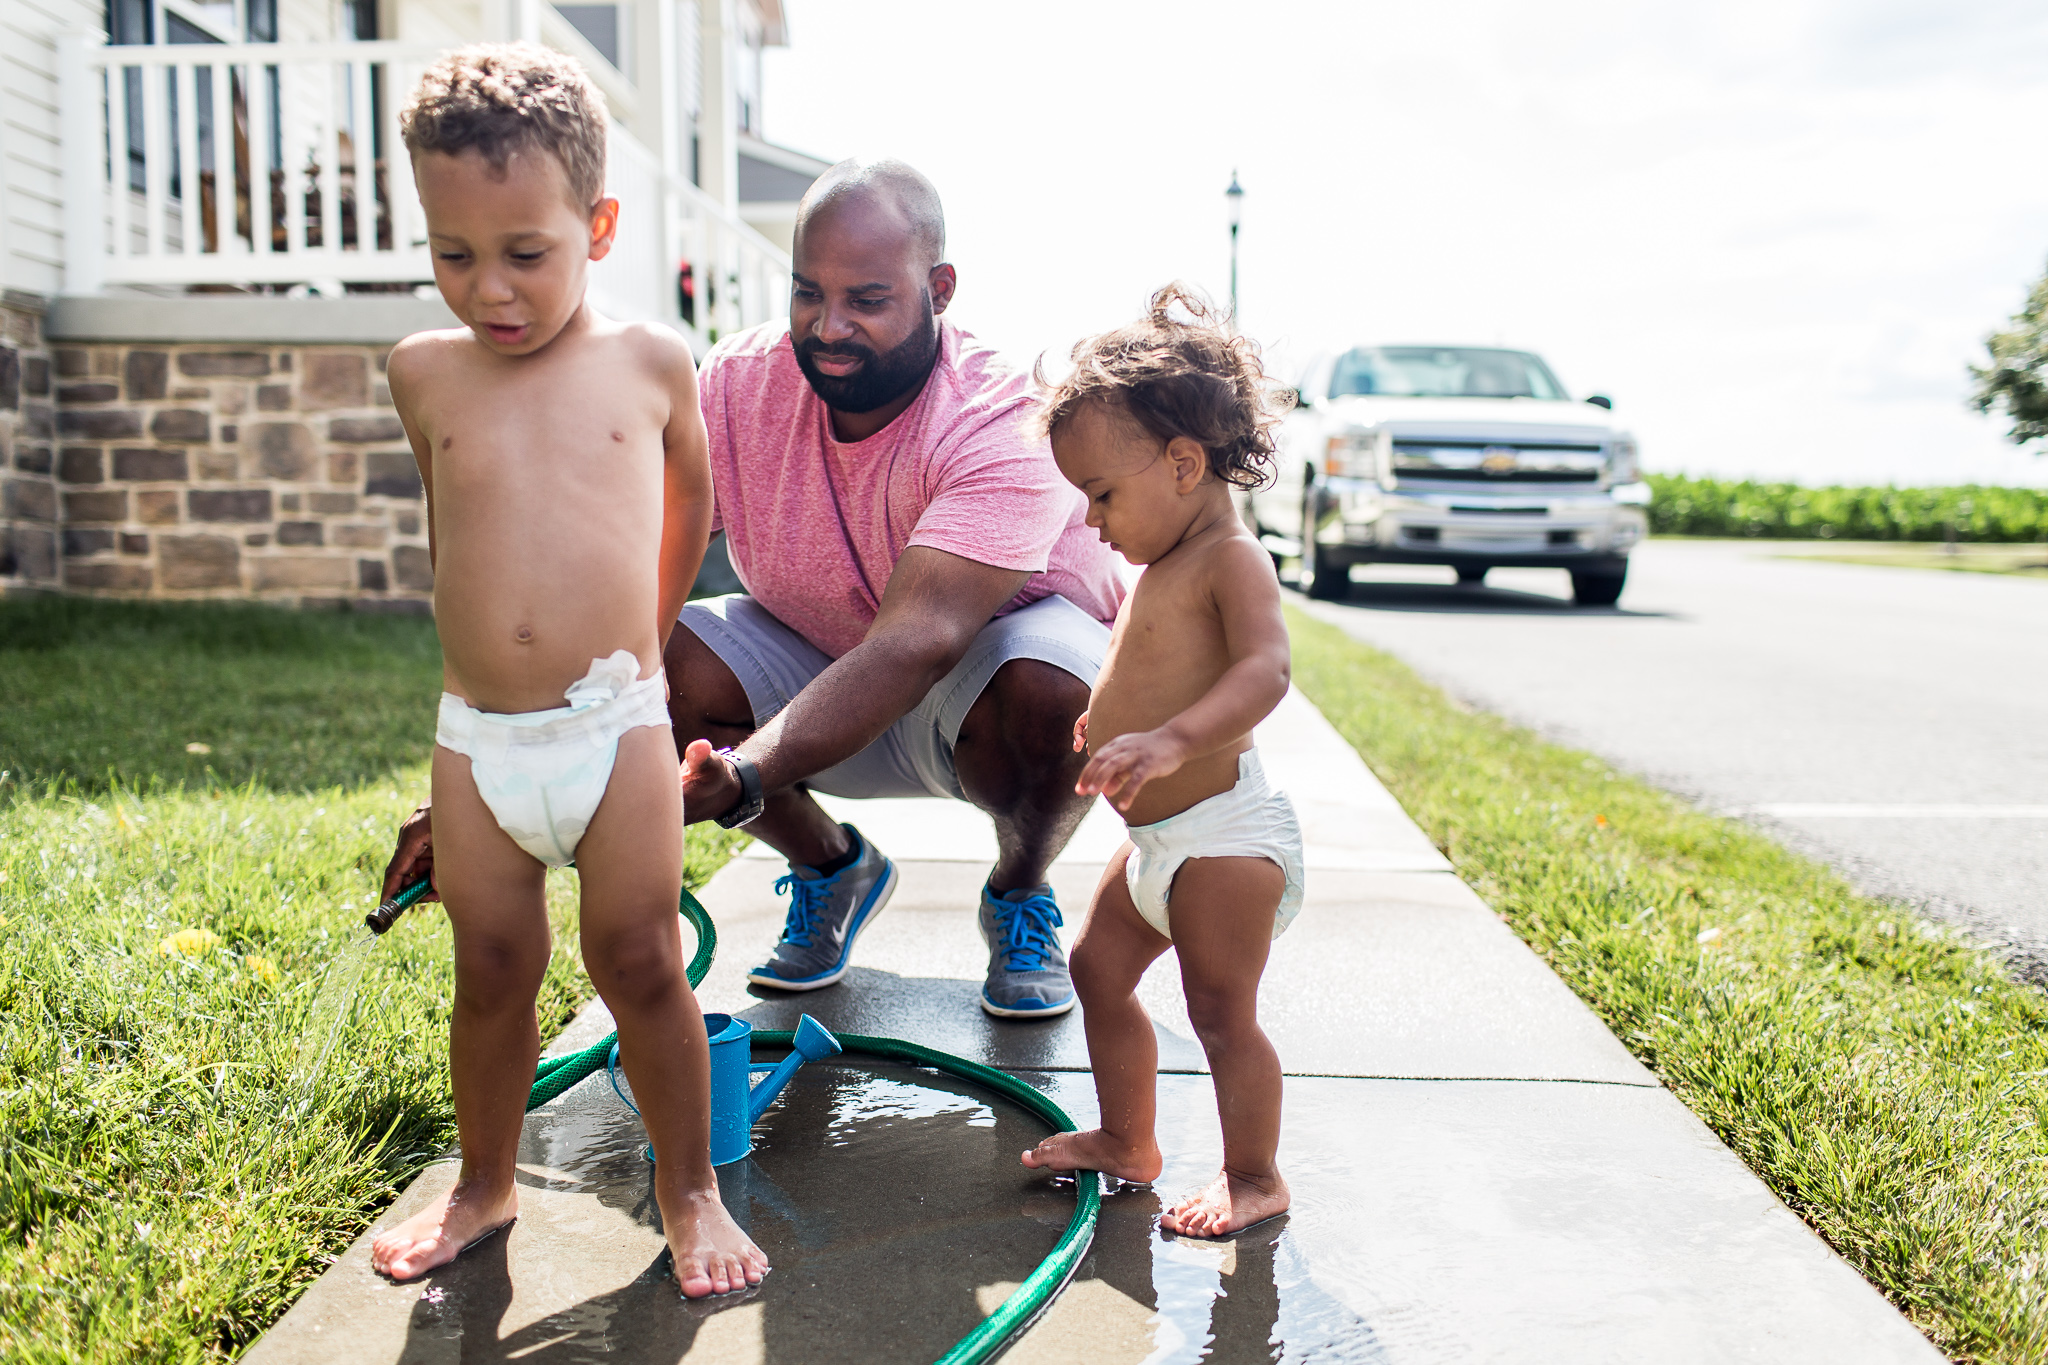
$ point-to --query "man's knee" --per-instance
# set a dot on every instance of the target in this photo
(1017, 743)
(705, 699)
(1029, 707)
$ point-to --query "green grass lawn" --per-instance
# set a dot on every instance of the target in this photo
(1889, 1082)
(165, 917)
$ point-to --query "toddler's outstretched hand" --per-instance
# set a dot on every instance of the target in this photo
(1127, 763)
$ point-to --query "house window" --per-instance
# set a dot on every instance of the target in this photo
(359, 20)
(599, 25)
(132, 23)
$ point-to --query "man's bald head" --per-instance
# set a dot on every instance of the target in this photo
(887, 188)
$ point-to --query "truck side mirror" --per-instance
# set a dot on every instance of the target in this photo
(1600, 400)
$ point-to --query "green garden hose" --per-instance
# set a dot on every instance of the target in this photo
(1040, 1287)
(556, 1074)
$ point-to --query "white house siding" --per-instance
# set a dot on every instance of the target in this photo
(31, 174)
(441, 23)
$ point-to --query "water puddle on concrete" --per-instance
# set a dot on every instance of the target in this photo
(896, 1214)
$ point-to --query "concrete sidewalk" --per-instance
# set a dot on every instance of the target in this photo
(1480, 1169)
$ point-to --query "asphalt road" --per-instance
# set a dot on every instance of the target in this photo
(1893, 722)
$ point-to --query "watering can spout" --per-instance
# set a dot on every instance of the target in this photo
(813, 1042)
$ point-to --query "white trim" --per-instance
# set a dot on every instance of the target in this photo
(363, 319)
(789, 158)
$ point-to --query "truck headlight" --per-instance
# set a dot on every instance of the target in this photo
(1621, 460)
(1354, 456)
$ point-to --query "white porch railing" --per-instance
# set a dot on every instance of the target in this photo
(276, 164)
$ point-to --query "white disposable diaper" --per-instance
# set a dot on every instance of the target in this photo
(542, 773)
(1251, 820)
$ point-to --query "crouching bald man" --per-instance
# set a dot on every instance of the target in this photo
(926, 609)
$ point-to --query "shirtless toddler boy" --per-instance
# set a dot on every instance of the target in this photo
(569, 502)
(1157, 423)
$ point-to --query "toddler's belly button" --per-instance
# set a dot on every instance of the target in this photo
(524, 635)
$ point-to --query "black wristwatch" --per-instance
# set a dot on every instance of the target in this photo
(749, 778)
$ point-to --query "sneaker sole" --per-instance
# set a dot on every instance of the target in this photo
(1044, 1012)
(831, 978)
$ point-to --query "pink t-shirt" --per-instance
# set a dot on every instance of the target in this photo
(815, 525)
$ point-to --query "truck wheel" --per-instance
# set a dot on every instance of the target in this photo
(1469, 577)
(1321, 577)
(1598, 589)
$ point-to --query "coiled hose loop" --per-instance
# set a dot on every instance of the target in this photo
(1040, 1287)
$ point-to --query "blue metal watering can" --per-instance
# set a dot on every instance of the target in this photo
(734, 1108)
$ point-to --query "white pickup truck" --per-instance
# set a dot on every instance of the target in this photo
(1470, 457)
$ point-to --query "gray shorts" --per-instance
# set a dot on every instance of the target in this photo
(914, 757)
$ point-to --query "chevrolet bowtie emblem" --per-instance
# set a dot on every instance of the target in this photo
(1499, 459)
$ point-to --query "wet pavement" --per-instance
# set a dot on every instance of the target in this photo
(1479, 1170)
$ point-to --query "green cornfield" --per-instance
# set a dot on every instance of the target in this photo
(1684, 506)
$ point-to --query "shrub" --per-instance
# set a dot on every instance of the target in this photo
(1684, 506)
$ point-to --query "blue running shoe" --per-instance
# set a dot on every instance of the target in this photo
(1027, 968)
(826, 915)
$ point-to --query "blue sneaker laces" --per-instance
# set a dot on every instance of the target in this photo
(808, 896)
(1026, 927)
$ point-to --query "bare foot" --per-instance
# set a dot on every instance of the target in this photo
(711, 1254)
(1232, 1203)
(1096, 1150)
(443, 1230)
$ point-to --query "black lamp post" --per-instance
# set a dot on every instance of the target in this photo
(1234, 197)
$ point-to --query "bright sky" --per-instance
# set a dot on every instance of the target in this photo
(1776, 231)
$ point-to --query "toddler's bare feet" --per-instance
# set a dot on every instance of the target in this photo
(438, 1233)
(1230, 1204)
(712, 1255)
(1096, 1150)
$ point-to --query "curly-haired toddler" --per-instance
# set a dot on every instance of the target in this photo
(1156, 425)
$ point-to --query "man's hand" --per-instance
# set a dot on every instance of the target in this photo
(1127, 763)
(414, 856)
(709, 788)
(1081, 732)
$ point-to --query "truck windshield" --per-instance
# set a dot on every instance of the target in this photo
(1443, 372)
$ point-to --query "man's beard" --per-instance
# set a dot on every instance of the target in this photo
(884, 376)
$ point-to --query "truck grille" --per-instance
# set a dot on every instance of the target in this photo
(1470, 462)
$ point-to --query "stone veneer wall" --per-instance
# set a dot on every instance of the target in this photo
(277, 472)
(28, 493)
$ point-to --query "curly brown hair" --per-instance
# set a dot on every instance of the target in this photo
(502, 98)
(1178, 371)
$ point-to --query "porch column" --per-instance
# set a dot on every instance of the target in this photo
(718, 120)
(507, 21)
(656, 75)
